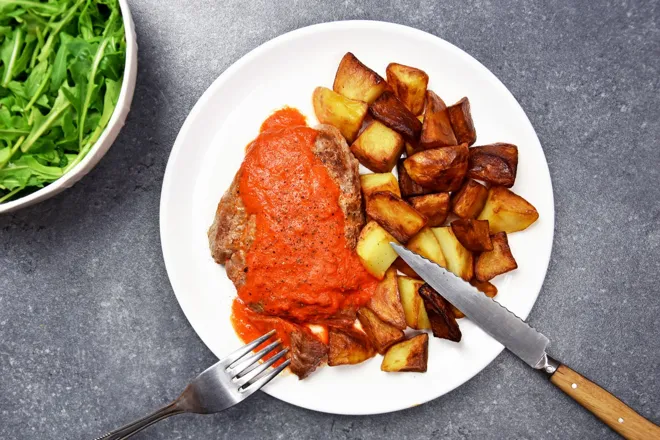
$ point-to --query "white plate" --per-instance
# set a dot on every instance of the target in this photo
(285, 71)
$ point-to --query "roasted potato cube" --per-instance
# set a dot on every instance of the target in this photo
(468, 201)
(378, 147)
(348, 347)
(409, 85)
(507, 211)
(372, 183)
(356, 81)
(413, 305)
(344, 113)
(381, 335)
(496, 262)
(395, 215)
(408, 186)
(409, 355)
(391, 112)
(441, 315)
(473, 234)
(484, 286)
(436, 129)
(426, 244)
(374, 250)
(403, 267)
(440, 169)
(434, 207)
(410, 150)
(496, 164)
(386, 302)
(459, 259)
(461, 122)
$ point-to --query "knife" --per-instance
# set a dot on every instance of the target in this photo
(530, 346)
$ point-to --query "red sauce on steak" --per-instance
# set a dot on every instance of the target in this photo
(299, 267)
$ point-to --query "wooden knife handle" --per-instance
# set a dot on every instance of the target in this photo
(616, 414)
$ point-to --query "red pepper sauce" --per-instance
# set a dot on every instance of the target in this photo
(299, 266)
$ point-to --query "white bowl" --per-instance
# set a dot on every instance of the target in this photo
(109, 134)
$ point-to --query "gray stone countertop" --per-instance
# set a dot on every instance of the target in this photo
(91, 335)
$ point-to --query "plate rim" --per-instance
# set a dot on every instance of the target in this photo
(300, 32)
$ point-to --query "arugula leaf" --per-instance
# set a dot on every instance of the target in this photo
(44, 123)
(60, 63)
(49, 7)
(9, 53)
(112, 89)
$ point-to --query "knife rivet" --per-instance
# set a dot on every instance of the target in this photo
(620, 420)
(574, 386)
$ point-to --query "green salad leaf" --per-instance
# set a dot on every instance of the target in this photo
(61, 69)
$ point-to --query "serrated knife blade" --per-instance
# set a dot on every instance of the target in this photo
(496, 320)
(529, 345)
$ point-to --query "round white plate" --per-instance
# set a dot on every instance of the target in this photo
(285, 71)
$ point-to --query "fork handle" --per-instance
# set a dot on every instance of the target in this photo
(132, 428)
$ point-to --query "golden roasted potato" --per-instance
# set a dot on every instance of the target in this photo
(395, 215)
(372, 183)
(459, 259)
(386, 302)
(496, 262)
(381, 335)
(440, 169)
(374, 250)
(410, 150)
(403, 267)
(409, 85)
(468, 201)
(507, 211)
(344, 113)
(426, 244)
(436, 129)
(461, 122)
(408, 186)
(434, 207)
(413, 305)
(409, 355)
(356, 81)
(378, 147)
(496, 164)
(348, 347)
(441, 315)
(391, 112)
(484, 286)
(473, 234)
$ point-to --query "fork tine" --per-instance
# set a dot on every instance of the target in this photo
(247, 377)
(243, 364)
(254, 386)
(233, 357)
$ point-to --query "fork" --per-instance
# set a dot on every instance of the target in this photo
(221, 386)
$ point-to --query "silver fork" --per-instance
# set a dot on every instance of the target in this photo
(221, 386)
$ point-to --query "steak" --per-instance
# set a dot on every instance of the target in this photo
(233, 229)
(307, 353)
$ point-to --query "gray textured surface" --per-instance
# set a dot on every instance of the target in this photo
(91, 334)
